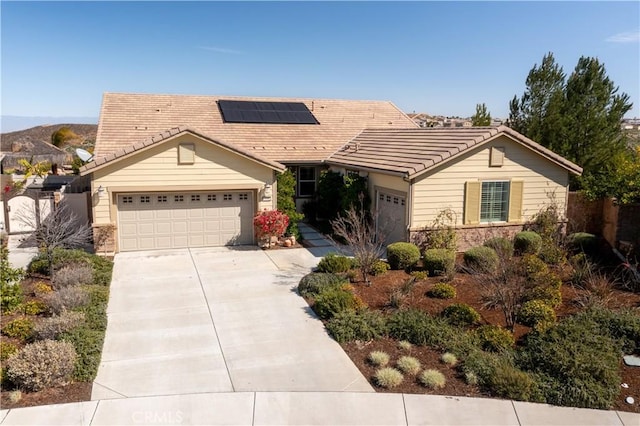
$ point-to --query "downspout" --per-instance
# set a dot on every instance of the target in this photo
(408, 213)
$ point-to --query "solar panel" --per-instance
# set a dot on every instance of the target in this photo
(266, 112)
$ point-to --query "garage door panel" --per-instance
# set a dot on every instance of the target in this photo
(178, 220)
(391, 216)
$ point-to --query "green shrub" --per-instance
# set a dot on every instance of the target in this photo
(536, 313)
(439, 261)
(576, 362)
(95, 311)
(364, 324)
(442, 291)
(419, 275)
(507, 381)
(622, 325)
(42, 365)
(449, 358)
(552, 254)
(419, 328)
(481, 259)
(583, 242)
(547, 288)
(527, 242)
(533, 266)
(402, 255)
(42, 288)
(10, 289)
(388, 377)
(334, 263)
(334, 300)
(409, 365)
(471, 378)
(88, 345)
(6, 350)
(379, 268)
(461, 314)
(433, 379)
(51, 328)
(32, 307)
(482, 365)
(19, 328)
(72, 275)
(316, 282)
(502, 246)
(494, 338)
(378, 358)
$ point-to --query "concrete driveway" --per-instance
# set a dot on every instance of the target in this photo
(216, 320)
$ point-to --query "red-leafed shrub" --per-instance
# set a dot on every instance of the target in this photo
(270, 223)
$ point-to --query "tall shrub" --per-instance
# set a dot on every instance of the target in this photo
(270, 223)
(286, 201)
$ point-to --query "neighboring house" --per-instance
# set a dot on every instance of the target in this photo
(31, 149)
(189, 171)
(492, 178)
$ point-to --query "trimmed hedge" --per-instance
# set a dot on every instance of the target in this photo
(536, 313)
(439, 261)
(583, 242)
(402, 255)
(461, 314)
(494, 338)
(335, 263)
(442, 291)
(481, 259)
(527, 242)
(335, 300)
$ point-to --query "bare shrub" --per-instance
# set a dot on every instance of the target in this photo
(51, 328)
(73, 274)
(440, 234)
(66, 299)
(41, 365)
(366, 243)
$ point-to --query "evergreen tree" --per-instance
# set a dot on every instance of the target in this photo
(578, 119)
(482, 117)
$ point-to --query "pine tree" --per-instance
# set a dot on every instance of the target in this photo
(578, 119)
(482, 117)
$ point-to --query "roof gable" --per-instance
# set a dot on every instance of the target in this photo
(413, 152)
(156, 140)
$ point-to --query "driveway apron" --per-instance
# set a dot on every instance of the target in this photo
(216, 320)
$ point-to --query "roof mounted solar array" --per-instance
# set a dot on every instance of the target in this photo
(266, 112)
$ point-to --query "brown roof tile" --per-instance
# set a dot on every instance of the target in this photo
(411, 152)
(126, 119)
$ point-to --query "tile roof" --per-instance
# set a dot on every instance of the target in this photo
(411, 152)
(102, 161)
(129, 118)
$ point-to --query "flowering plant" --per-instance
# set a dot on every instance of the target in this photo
(270, 223)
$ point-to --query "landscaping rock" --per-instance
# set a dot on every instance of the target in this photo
(632, 360)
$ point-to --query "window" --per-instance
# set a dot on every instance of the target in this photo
(494, 202)
(195, 198)
(127, 199)
(243, 197)
(178, 198)
(145, 199)
(306, 181)
(227, 197)
(162, 198)
(211, 197)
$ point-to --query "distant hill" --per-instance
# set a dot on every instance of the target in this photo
(12, 123)
(86, 135)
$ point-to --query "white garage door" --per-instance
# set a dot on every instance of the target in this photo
(184, 219)
(391, 216)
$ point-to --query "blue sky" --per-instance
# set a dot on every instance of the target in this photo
(435, 57)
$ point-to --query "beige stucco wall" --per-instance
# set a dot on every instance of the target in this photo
(157, 169)
(445, 187)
